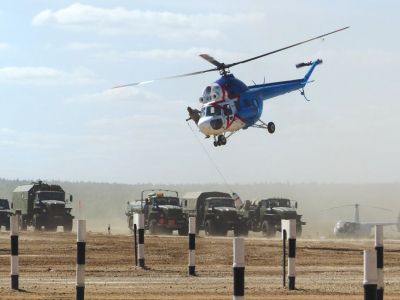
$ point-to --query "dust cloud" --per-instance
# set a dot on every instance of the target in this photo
(104, 203)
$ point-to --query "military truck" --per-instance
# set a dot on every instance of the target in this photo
(5, 213)
(43, 205)
(215, 213)
(265, 215)
(162, 212)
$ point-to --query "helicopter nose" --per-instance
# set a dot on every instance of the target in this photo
(210, 126)
(216, 124)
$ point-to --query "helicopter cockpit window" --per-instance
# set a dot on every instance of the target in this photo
(216, 92)
(213, 111)
(207, 94)
(228, 110)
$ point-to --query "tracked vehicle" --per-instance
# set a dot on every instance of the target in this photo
(43, 206)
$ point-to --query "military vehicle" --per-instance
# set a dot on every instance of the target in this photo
(43, 205)
(5, 213)
(162, 212)
(265, 215)
(215, 212)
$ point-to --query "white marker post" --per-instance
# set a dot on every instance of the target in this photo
(192, 245)
(370, 275)
(238, 268)
(289, 226)
(14, 251)
(139, 220)
(80, 259)
(379, 260)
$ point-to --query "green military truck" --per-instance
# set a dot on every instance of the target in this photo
(162, 212)
(43, 206)
(265, 215)
(215, 213)
(5, 213)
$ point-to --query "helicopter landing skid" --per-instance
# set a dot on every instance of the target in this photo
(261, 124)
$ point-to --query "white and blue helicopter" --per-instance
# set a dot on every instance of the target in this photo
(229, 105)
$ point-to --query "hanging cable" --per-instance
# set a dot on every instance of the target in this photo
(210, 158)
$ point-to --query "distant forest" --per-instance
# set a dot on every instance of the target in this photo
(103, 203)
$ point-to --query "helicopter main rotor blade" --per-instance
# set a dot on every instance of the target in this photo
(284, 48)
(212, 60)
(221, 66)
(164, 78)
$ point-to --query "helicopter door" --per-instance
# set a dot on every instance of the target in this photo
(228, 112)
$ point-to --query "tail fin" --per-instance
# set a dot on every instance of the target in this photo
(313, 64)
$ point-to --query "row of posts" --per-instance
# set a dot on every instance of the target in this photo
(373, 258)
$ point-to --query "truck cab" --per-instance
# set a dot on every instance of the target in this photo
(162, 212)
(215, 213)
(5, 213)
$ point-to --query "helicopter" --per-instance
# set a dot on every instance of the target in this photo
(229, 105)
(356, 228)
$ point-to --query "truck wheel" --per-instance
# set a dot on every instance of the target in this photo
(183, 230)
(209, 228)
(267, 229)
(68, 226)
(299, 230)
(222, 232)
(130, 223)
(23, 223)
(51, 227)
(241, 230)
(153, 227)
(36, 223)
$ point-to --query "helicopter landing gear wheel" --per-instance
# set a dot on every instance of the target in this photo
(221, 140)
(271, 127)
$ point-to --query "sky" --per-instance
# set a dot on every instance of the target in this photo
(60, 120)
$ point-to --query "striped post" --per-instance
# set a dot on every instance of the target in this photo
(284, 237)
(379, 260)
(14, 251)
(192, 245)
(370, 275)
(135, 241)
(80, 259)
(238, 268)
(139, 220)
(289, 226)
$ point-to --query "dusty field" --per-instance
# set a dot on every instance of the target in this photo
(329, 269)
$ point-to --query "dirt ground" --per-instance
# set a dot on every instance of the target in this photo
(326, 269)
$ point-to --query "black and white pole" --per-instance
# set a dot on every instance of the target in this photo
(135, 242)
(238, 268)
(192, 245)
(284, 237)
(379, 260)
(80, 259)
(14, 251)
(139, 219)
(289, 226)
(370, 275)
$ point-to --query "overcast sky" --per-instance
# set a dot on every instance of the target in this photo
(60, 120)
